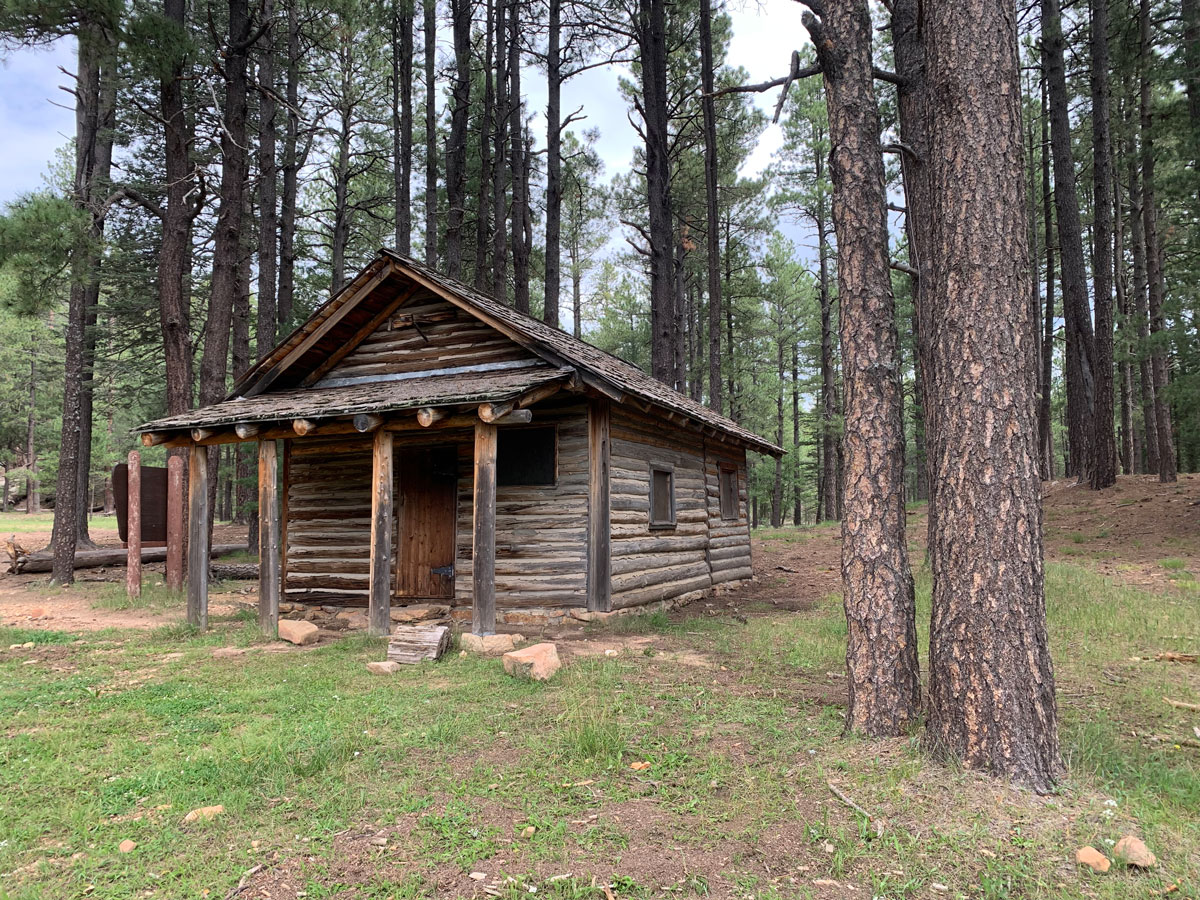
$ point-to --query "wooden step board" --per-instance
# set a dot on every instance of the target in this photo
(416, 643)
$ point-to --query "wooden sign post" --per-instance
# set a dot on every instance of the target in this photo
(133, 565)
(175, 522)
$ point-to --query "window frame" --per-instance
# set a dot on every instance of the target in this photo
(541, 427)
(669, 471)
(728, 470)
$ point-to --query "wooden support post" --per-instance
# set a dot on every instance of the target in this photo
(599, 577)
(483, 606)
(268, 539)
(133, 527)
(198, 537)
(380, 600)
(175, 522)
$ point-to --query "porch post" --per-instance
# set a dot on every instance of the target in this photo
(599, 571)
(379, 604)
(268, 539)
(483, 570)
(198, 537)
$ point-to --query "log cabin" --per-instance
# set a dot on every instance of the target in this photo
(435, 445)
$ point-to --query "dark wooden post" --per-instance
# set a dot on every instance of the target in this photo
(133, 529)
(175, 522)
(599, 595)
(198, 538)
(268, 539)
(380, 602)
(483, 604)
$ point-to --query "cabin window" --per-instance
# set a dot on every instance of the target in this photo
(527, 456)
(662, 497)
(729, 491)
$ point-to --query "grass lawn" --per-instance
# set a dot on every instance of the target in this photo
(343, 784)
(23, 523)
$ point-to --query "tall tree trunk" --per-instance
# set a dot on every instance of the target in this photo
(881, 653)
(712, 222)
(173, 311)
(244, 455)
(483, 235)
(1155, 278)
(267, 323)
(830, 430)
(651, 33)
(340, 237)
(292, 160)
(553, 163)
(96, 51)
(500, 154)
(991, 683)
(1045, 423)
(798, 509)
(1104, 447)
(456, 146)
(431, 155)
(1140, 309)
(780, 372)
(1080, 368)
(31, 483)
(911, 106)
(402, 125)
(1131, 445)
(1190, 10)
(518, 166)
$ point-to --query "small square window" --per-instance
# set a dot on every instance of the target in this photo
(662, 497)
(729, 492)
(526, 456)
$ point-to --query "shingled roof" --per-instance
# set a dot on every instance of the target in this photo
(348, 311)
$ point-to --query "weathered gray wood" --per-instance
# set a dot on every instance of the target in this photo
(246, 430)
(416, 643)
(365, 422)
(35, 563)
(174, 576)
(198, 537)
(268, 539)
(483, 609)
(599, 507)
(133, 527)
(379, 611)
(201, 434)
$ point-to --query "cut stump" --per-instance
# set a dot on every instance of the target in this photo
(414, 644)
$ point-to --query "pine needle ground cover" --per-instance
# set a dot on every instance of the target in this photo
(695, 762)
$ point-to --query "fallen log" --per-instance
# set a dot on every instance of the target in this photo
(28, 563)
(233, 571)
(412, 644)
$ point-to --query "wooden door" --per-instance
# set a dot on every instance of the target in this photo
(426, 499)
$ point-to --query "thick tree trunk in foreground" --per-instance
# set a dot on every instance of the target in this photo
(830, 506)
(881, 653)
(1104, 445)
(991, 683)
(1080, 368)
(1045, 421)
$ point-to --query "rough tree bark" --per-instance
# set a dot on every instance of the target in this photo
(553, 163)
(519, 215)
(1155, 278)
(483, 234)
(1045, 423)
(881, 653)
(500, 172)
(456, 146)
(991, 683)
(402, 113)
(712, 222)
(1104, 446)
(267, 323)
(431, 154)
(292, 160)
(1081, 365)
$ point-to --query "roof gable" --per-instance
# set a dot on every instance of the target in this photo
(340, 335)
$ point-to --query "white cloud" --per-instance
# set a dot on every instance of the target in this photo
(32, 126)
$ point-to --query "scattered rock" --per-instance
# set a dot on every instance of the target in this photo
(379, 841)
(37, 613)
(490, 644)
(584, 615)
(829, 848)
(28, 645)
(610, 652)
(127, 846)
(254, 845)
(297, 632)
(478, 876)
(383, 668)
(539, 661)
(528, 831)
(353, 618)
(228, 652)
(638, 766)
(419, 612)
(1093, 859)
(1133, 852)
(204, 813)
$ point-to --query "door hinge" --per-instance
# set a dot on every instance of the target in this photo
(444, 571)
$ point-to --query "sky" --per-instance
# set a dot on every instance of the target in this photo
(34, 124)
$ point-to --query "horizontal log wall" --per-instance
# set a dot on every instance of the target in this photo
(728, 539)
(541, 531)
(447, 337)
(653, 564)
